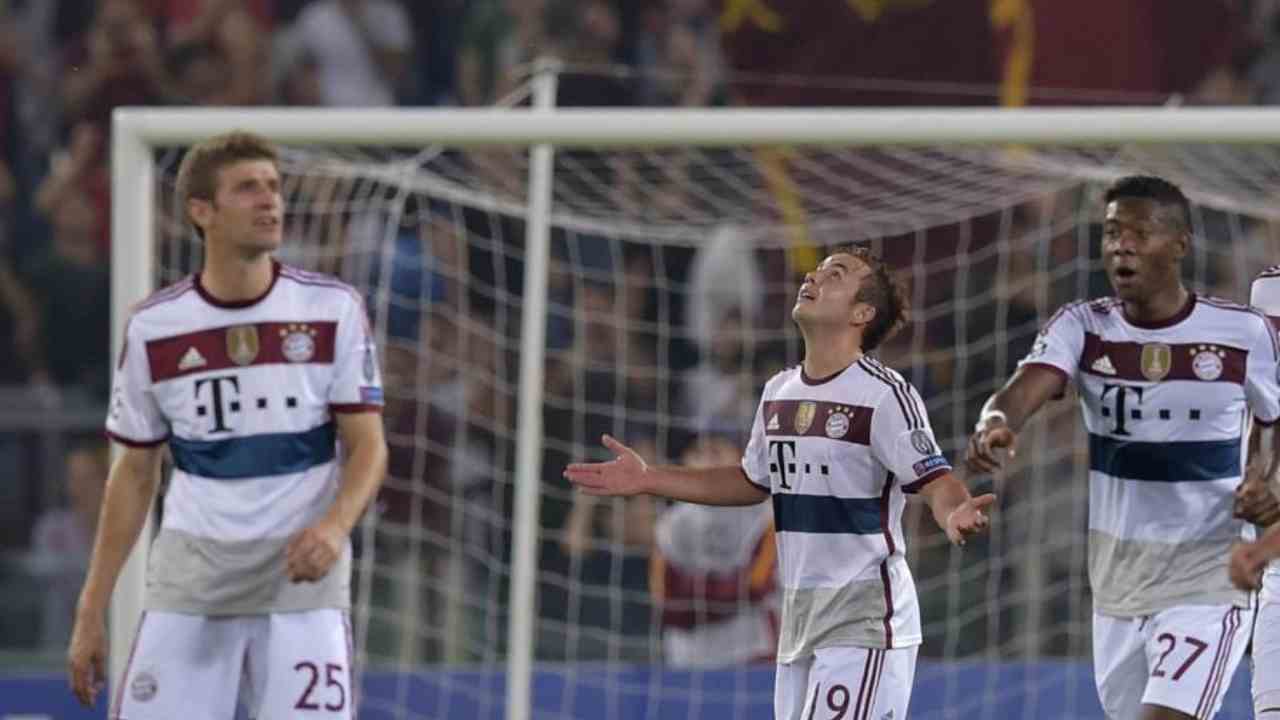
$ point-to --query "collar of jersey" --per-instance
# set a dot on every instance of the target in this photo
(238, 304)
(1176, 318)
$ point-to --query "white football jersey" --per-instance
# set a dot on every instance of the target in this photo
(838, 456)
(244, 394)
(1167, 409)
(1265, 296)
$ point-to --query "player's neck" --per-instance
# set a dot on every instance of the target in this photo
(231, 278)
(824, 357)
(1160, 307)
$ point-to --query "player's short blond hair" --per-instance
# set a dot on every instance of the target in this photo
(198, 173)
(882, 291)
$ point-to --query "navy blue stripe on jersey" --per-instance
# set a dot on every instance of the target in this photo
(826, 514)
(253, 456)
(1192, 461)
(906, 402)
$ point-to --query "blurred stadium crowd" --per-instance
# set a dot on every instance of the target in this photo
(65, 64)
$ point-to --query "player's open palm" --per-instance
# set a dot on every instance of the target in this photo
(623, 475)
(86, 658)
(985, 445)
(969, 518)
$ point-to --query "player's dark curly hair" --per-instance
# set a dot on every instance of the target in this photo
(882, 291)
(1164, 193)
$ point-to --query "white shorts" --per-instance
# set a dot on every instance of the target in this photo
(1266, 662)
(849, 682)
(1181, 658)
(195, 667)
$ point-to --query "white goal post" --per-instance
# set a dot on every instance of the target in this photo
(136, 132)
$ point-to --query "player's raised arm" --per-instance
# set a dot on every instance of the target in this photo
(1007, 411)
(130, 487)
(629, 474)
(1042, 375)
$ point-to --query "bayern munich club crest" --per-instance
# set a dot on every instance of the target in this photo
(1206, 361)
(143, 687)
(297, 342)
(837, 425)
(804, 416)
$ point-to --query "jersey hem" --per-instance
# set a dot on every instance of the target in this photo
(355, 407)
(899, 643)
(1050, 366)
(916, 486)
(131, 442)
(754, 484)
(1218, 600)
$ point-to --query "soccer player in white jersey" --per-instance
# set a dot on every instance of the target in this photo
(838, 442)
(1256, 502)
(1166, 381)
(262, 382)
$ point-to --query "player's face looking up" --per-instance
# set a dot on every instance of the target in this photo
(247, 211)
(1143, 243)
(829, 294)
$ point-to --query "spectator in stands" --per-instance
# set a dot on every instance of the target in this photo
(498, 38)
(70, 274)
(713, 574)
(361, 49)
(228, 34)
(118, 61)
(62, 540)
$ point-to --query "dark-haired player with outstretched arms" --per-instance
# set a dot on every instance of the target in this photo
(838, 443)
(1167, 382)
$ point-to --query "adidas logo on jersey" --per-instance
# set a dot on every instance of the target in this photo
(773, 423)
(1103, 365)
(191, 359)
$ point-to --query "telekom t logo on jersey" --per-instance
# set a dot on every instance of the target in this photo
(219, 396)
(1122, 393)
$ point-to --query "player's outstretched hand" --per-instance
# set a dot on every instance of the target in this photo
(86, 657)
(1246, 565)
(969, 519)
(1255, 503)
(312, 552)
(984, 444)
(623, 475)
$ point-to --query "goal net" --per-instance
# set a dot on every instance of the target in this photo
(671, 277)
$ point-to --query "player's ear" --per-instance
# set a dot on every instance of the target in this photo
(199, 212)
(863, 313)
(1182, 245)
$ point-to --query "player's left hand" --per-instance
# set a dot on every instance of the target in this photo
(969, 519)
(312, 552)
(1246, 565)
(1255, 503)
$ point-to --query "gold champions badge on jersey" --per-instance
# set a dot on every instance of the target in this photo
(804, 416)
(242, 344)
(1157, 358)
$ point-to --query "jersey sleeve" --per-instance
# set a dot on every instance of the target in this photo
(357, 380)
(134, 417)
(902, 439)
(755, 459)
(1059, 344)
(1262, 374)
